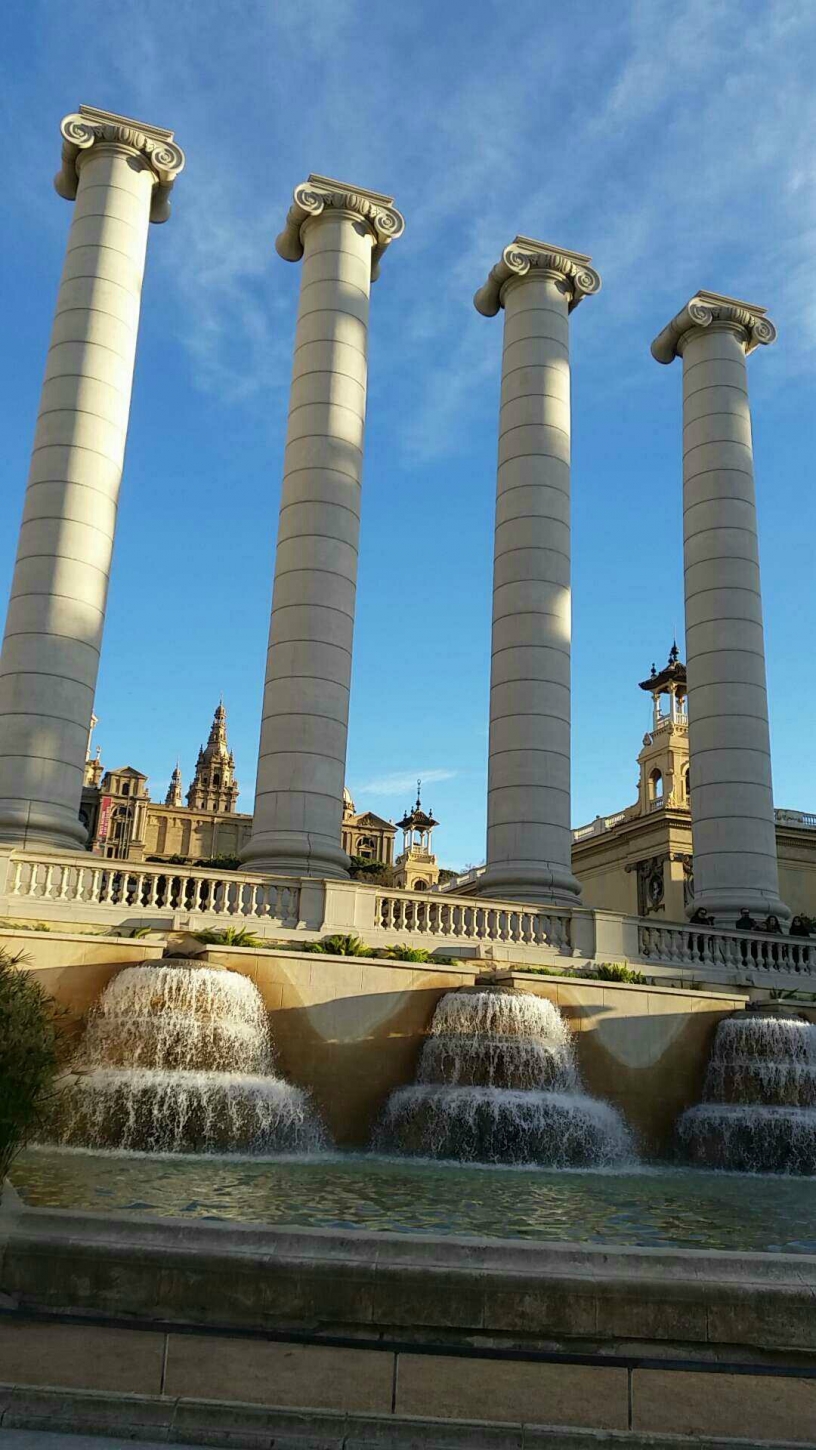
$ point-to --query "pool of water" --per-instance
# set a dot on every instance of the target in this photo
(652, 1207)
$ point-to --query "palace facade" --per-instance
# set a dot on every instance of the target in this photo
(124, 823)
(640, 860)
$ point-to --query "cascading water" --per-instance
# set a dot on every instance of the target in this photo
(497, 1083)
(758, 1113)
(178, 1058)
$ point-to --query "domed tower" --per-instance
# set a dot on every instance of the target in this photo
(417, 869)
(664, 758)
(214, 787)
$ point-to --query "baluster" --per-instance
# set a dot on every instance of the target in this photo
(153, 891)
(49, 876)
(32, 883)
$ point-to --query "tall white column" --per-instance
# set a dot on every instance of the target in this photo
(732, 814)
(529, 837)
(340, 232)
(119, 174)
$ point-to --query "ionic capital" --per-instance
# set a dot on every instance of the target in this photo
(319, 194)
(526, 257)
(88, 128)
(750, 322)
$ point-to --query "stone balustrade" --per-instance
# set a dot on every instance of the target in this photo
(70, 890)
(472, 919)
(730, 951)
(90, 887)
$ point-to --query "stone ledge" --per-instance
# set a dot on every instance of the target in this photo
(254, 1427)
(454, 1291)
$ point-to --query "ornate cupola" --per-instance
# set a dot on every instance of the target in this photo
(664, 758)
(214, 787)
(417, 868)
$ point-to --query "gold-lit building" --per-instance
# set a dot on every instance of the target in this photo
(124, 823)
(639, 860)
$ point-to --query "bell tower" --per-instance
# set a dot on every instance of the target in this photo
(664, 757)
(417, 869)
(214, 787)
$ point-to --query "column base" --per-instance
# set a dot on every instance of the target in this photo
(726, 908)
(290, 853)
(32, 828)
(536, 882)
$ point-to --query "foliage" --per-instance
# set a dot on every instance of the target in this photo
(341, 945)
(413, 954)
(169, 860)
(29, 1057)
(446, 875)
(377, 873)
(618, 972)
(546, 971)
(779, 994)
(24, 925)
(228, 936)
(218, 863)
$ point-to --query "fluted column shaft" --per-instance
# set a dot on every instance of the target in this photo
(302, 756)
(56, 613)
(733, 828)
(529, 834)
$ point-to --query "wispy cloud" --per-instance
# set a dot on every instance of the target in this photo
(396, 782)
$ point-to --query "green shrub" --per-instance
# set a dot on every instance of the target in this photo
(228, 936)
(340, 945)
(617, 972)
(29, 1058)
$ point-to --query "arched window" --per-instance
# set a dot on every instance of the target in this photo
(687, 782)
(420, 885)
(655, 786)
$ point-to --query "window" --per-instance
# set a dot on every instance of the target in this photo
(125, 787)
(655, 786)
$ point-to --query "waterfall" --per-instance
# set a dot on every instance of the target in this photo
(758, 1112)
(497, 1083)
(178, 1058)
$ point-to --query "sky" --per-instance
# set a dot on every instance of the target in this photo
(670, 139)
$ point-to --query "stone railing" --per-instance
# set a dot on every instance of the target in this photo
(726, 951)
(598, 826)
(802, 820)
(468, 919)
(86, 882)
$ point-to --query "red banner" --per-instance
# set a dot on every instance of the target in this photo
(104, 818)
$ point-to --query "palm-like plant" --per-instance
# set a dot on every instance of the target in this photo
(229, 936)
(341, 945)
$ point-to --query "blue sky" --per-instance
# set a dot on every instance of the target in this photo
(671, 139)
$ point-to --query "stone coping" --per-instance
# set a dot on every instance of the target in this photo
(471, 1254)
(164, 1419)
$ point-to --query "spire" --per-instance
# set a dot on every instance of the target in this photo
(174, 796)
(214, 787)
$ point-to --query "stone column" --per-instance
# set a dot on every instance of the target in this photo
(529, 836)
(732, 814)
(119, 174)
(341, 233)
